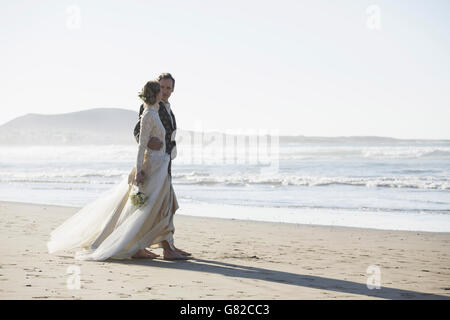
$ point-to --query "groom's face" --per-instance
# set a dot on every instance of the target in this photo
(166, 89)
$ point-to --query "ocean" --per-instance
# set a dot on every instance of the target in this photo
(394, 185)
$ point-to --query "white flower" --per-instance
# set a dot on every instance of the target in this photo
(137, 196)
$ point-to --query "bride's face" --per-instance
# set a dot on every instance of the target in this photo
(158, 97)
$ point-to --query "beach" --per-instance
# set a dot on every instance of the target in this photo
(232, 259)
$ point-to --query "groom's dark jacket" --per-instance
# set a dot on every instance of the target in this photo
(165, 119)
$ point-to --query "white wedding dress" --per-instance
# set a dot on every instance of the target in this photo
(110, 226)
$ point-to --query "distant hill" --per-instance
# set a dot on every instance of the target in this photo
(115, 126)
(93, 126)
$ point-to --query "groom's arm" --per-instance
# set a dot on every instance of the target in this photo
(155, 143)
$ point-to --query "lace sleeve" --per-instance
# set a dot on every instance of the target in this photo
(144, 137)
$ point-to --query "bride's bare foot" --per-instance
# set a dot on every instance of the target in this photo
(144, 254)
(170, 254)
(173, 255)
(184, 253)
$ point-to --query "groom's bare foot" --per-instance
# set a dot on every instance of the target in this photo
(184, 253)
(144, 254)
(173, 255)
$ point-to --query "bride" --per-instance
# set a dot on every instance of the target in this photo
(111, 226)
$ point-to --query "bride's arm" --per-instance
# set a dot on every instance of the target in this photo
(144, 137)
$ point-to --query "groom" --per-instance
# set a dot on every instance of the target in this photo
(167, 83)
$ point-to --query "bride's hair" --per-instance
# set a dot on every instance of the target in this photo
(149, 92)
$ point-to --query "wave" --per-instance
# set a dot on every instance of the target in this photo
(237, 179)
(417, 171)
(61, 174)
(345, 152)
(434, 183)
(65, 181)
(436, 154)
(360, 140)
(126, 155)
(411, 153)
(357, 208)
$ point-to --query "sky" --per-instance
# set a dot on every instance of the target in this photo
(313, 68)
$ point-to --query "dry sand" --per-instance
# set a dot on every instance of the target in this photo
(232, 259)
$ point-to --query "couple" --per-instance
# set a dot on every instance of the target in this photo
(111, 226)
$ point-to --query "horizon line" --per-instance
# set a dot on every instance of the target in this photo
(293, 135)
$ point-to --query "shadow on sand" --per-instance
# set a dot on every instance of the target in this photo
(316, 282)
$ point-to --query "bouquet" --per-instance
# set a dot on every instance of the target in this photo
(137, 196)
